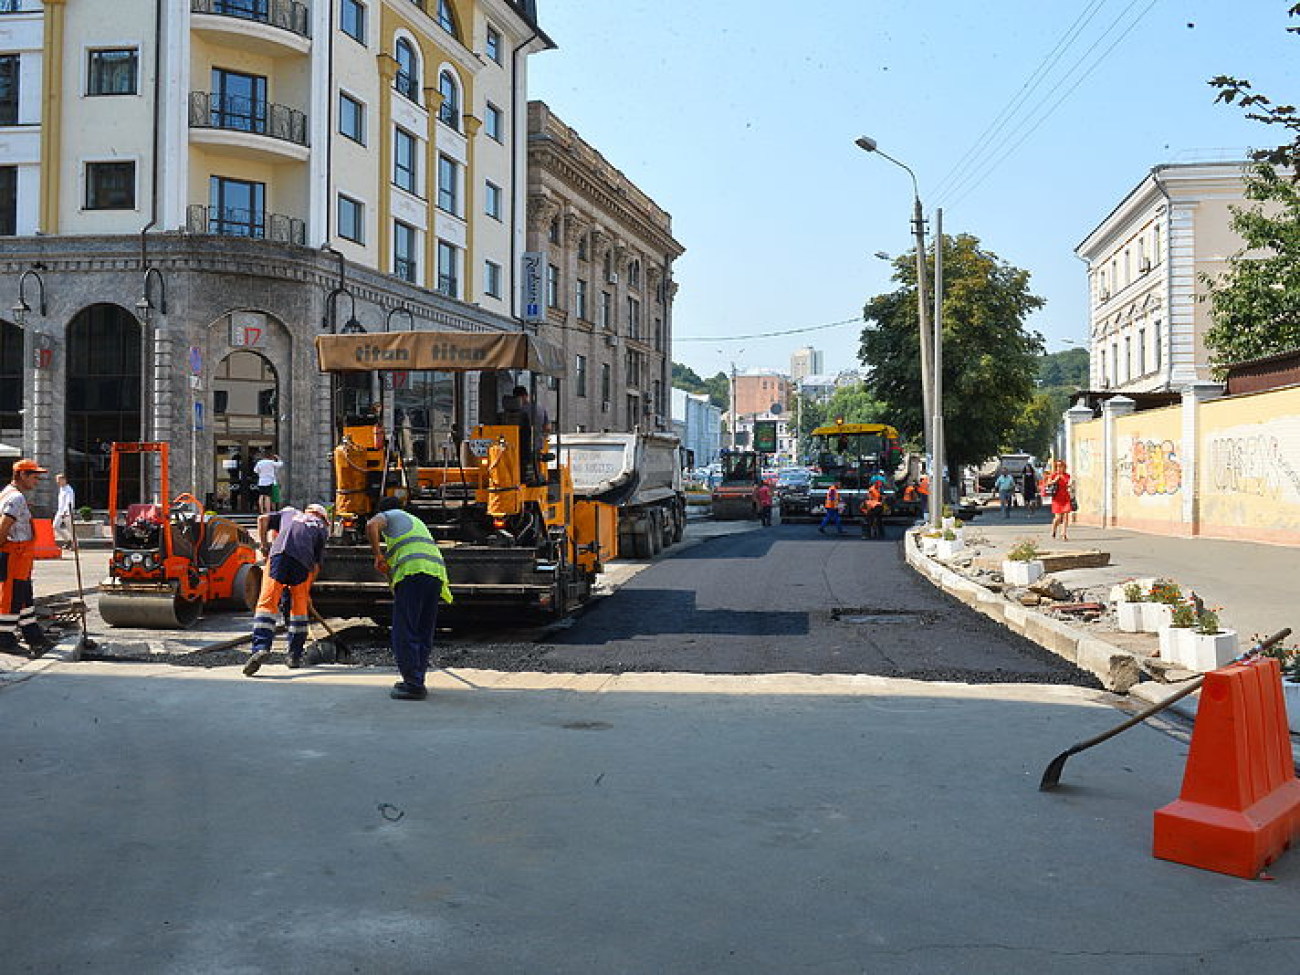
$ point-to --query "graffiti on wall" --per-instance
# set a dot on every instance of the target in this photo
(1153, 467)
(1253, 465)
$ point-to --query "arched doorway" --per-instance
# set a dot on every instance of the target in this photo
(103, 398)
(245, 421)
(11, 384)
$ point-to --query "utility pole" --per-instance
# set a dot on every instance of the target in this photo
(936, 420)
(733, 406)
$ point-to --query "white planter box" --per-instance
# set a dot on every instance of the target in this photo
(1155, 616)
(948, 523)
(1291, 695)
(930, 546)
(1209, 652)
(1173, 648)
(945, 549)
(1021, 573)
(1129, 616)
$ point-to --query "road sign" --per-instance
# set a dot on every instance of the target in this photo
(765, 436)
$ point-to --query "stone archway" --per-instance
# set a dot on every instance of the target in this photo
(104, 398)
(245, 421)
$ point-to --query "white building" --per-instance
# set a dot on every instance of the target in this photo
(699, 425)
(805, 362)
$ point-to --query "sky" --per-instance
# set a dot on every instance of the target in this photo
(1026, 121)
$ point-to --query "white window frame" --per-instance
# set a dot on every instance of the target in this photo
(492, 279)
(360, 211)
(363, 15)
(360, 137)
(492, 196)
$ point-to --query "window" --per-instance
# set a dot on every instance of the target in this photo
(448, 268)
(112, 72)
(492, 47)
(1142, 351)
(408, 71)
(552, 286)
(110, 186)
(580, 376)
(447, 18)
(8, 201)
(449, 111)
(584, 252)
(352, 118)
(634, 274)
(553, 232)
(580, 299)
(9, 89)
(237, 207)
(238, 101)
(494, 122)
(604, 385)
(404, 251)
(606, 309)
(1155, 346)
(352, 219)
(1128, 358)
(405, 161)
(659, 335)
(492, 279)
(633, 318)
(492, 199)
(609, 266)
(352, 19)
(448, 185)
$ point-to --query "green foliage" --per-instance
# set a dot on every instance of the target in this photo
(990, 361)
(1255, 303)
(1067, 368)
(717, 387)
(1208, 623)
(1184, 615)
(1035, 427)
(1025, 550)
(854, 403)
(1133, 593)
(1165, 591)
(85, 512)
(949, 535)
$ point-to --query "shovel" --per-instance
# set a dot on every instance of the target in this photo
(341, 654)
(1052, 774)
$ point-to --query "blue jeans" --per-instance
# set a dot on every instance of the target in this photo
(415, 614)
(832, 517)
(1005, 499)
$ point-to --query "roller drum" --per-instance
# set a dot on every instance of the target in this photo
(161, 611)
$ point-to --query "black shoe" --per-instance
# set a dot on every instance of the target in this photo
(9, 644)
(294, 660)
(821, 531)
(39, 648)
(403, 691)
(255, 662)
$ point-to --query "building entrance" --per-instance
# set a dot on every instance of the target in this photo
(245, 422)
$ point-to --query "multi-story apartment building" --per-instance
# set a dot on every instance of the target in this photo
(805, 362)
(604, 255)
(699, 425)
(1146, 320)
(191, 190)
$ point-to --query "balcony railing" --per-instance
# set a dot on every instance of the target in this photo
(408, 85)
(19, 6)
(239, 222)
(285, 14)
(240, 114)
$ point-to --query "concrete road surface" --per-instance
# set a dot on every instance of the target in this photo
(158, 819)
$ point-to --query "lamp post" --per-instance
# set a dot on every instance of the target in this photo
(868, 144)
(22, 308)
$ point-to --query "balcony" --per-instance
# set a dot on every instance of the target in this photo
(240, 126)
(237, 222)
(271, 27)
(20, 6)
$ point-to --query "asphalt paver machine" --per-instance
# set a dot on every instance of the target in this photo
(502, 510)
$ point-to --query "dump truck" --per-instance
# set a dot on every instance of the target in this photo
(512, 533)
(640, 474)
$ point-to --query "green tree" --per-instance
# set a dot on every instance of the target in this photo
(1255, 303)
(1069, 367)
(990, 361)
(1262, 109)
(1035, 427)
(718, 387)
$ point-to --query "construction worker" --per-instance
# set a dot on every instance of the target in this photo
(415, 569)
(832, 515)
(873, 511)
(294, 544)
(17, 553)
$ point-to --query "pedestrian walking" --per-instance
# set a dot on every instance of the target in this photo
(17, 555)
(63, 512)
(232, 465)
(1005, 486)
(832, 515)
(763, 498)
(267, 471)
(1057, 487)
(406, 552)
(1029, 488)
(293, 543)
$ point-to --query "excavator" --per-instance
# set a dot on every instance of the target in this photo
(171, 560)
(502, 510)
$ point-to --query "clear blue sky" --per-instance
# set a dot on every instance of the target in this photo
(738, 118)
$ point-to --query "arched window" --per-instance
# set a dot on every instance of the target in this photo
(449, 113)
(408, 71)
(447, 18)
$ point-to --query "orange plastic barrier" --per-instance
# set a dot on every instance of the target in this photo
(46, 546)
(1239, 808)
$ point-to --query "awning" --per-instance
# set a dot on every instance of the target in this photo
(438, 351)
(7, 450)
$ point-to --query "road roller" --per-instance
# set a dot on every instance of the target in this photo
(171, 562)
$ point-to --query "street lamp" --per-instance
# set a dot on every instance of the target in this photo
(868, 144)
(405, 311)
(144, 306)
(22, 308)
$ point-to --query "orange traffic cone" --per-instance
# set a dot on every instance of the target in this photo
(1239, 808)
(46, 546)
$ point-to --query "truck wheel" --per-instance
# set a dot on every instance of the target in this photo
(641, 544)
(679, 523)
(656, 533)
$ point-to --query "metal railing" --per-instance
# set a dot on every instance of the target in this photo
(240, 222)
(408, 85)
(449, 115)
(240, 114)
(19, 6)
(404, 268)
(285, 14)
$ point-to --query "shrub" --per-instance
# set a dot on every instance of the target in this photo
(1025, 550)
(85, 512)
(1165, 591)
(1184, 615)
(949, 535)
(1133, 593)
(1208, 623)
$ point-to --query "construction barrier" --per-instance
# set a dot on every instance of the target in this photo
(46, 546)
(1239, 808)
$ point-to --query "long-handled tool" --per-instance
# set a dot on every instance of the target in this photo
(1052, 774)
(341, 653)
(84, 644)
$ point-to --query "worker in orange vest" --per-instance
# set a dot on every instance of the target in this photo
(924, 486)
(832, 516)
(873, 511)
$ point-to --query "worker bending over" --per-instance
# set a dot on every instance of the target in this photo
(293, 542)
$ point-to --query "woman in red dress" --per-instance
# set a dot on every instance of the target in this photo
(1057, 485)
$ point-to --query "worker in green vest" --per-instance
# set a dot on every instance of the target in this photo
(406, 553)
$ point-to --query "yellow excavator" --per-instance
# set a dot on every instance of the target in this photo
(501, 509)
